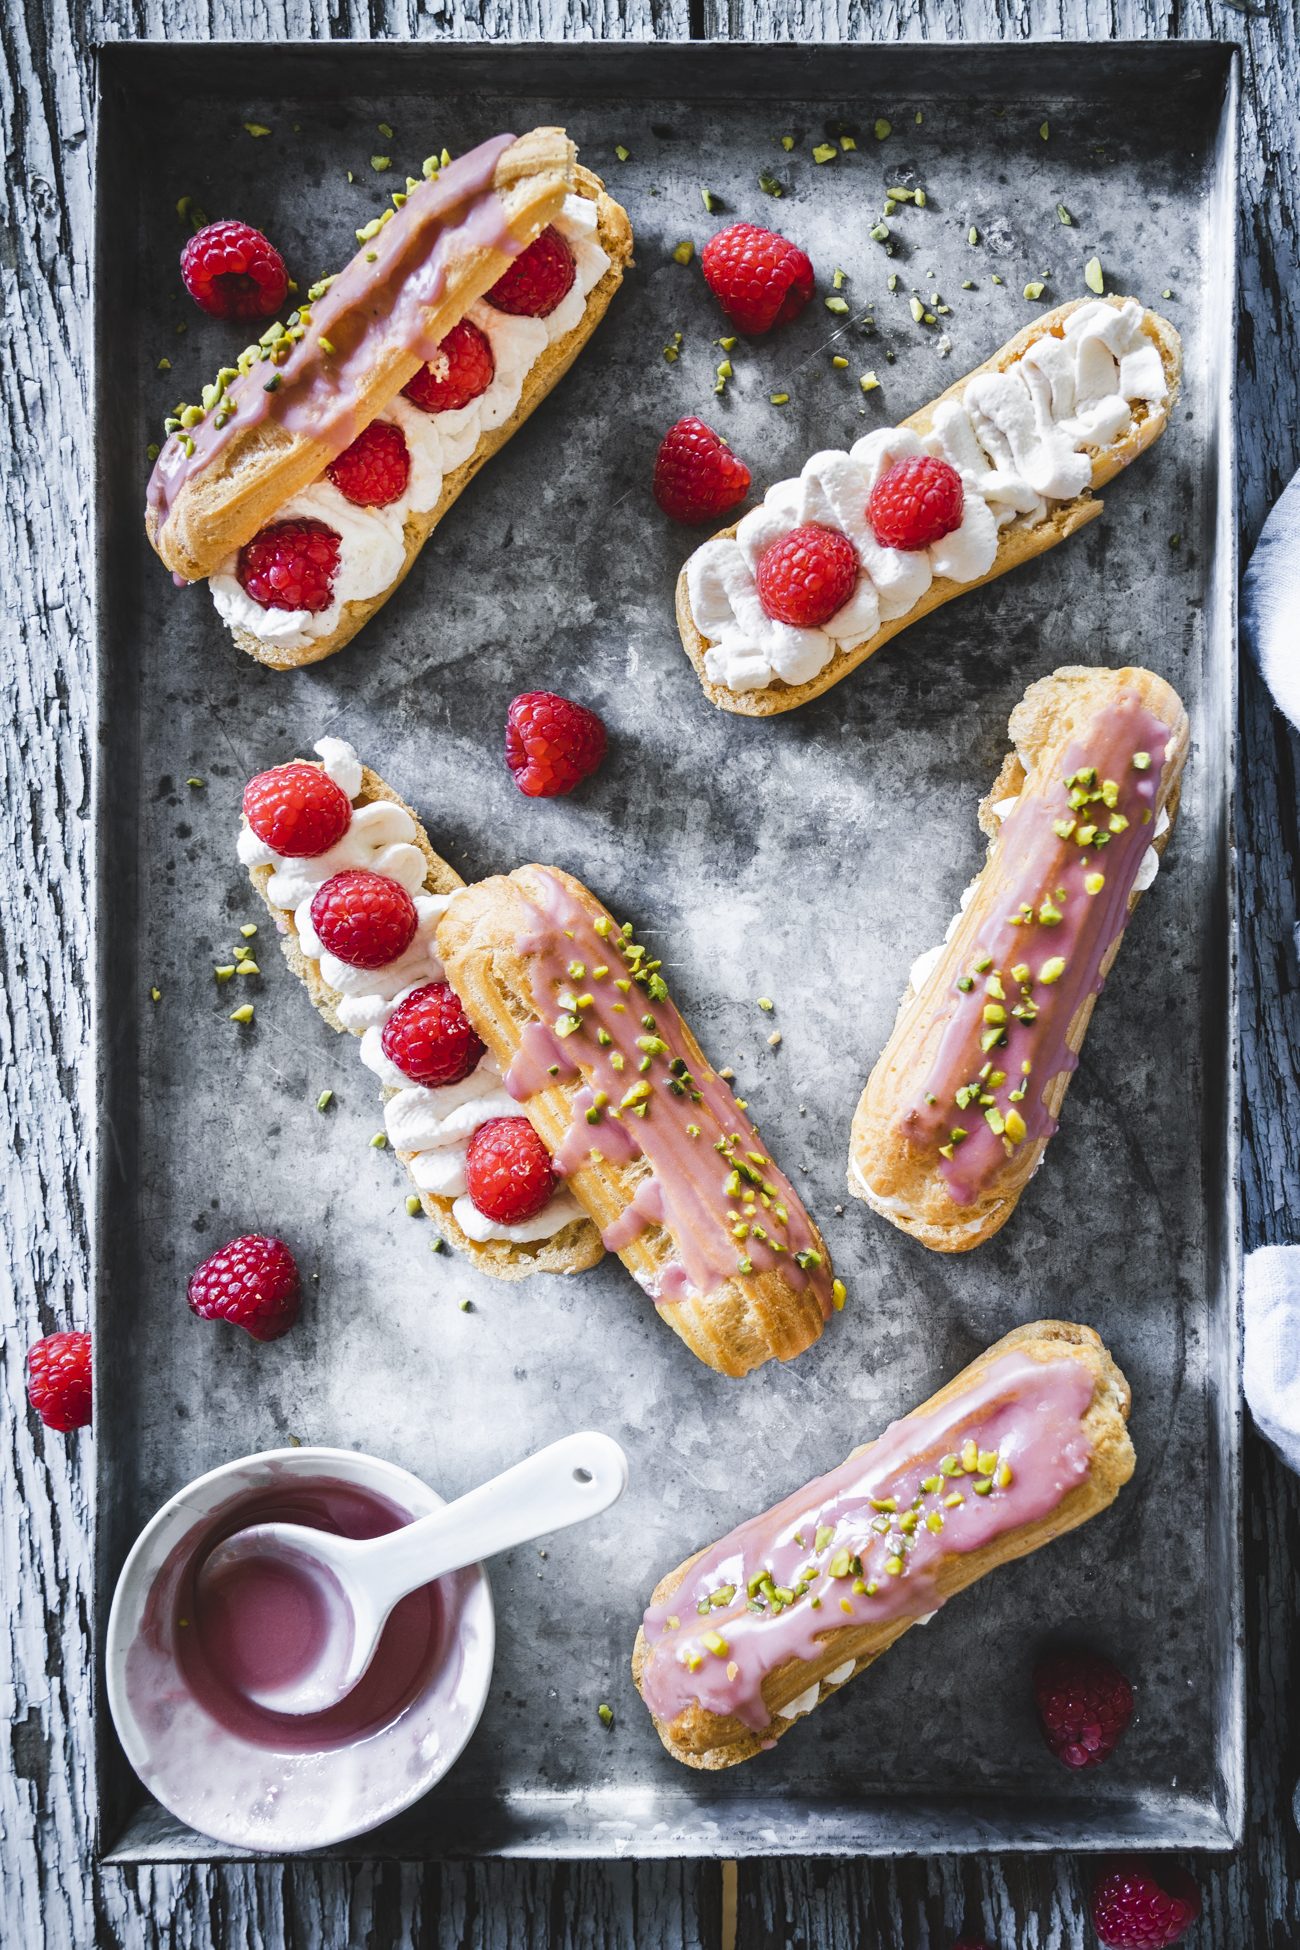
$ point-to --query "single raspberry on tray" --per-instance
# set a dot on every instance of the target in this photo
(538, 279)
(697, 477)
(1084, 1703)
(297, 810)
(363, 918)
(374, 470)
(552, 744)
(232, 271)
(807, 576)
(460, 370)
(252, 1282)
(916, 502)
(429, 1038)
(58, 1380)
(290, 565)
(758, 277)
(509, 1170)
(1142, 1903)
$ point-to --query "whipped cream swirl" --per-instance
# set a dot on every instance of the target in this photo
(372, 551)
(435, 1123)
(1021, 440)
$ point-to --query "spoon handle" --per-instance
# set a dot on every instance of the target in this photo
(573, 1479)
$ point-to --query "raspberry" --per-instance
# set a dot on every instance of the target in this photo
(363, 918)
(429, 1037)
(1084, 1703)
(1142, 1904)
(297, 810)
(758, 277)
(58, 1381)
(807, 576)
(508, 1170)
(538, 278)
(374, 470)
(552, 744)
(697, 477)
(252, 1283)
(290, 565)
(462, 368)
(916, 502)
(232, 271)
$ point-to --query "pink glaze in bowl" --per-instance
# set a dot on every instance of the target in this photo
(276, 1782)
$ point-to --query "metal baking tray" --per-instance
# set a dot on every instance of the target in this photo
(807, 859)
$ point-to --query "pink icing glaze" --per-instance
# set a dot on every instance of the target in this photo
(1043, 868)
(366, 308)
(687, 1190)
(1029, 1413)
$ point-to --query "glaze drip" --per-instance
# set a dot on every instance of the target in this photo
(860, 1545)
(1070, 856)
(605, 1017)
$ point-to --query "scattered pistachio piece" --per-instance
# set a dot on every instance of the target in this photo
(1092, 276)
(837, 305)
(257, 128)
(325, 1099)
(605, 1714)
(1064, 214)
(972, 235)
(1094, 882)
(883, 128)
(624, 155)
(824, 152)
(155, 995)
(684, 252)
(779, 399)
(413, 1205)
(868, 382)
(1035, 288)
(839, 361)
(787, 142)
(1044, 129)
(379, 1141)
(243, 1014)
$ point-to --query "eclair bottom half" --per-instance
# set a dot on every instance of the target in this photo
(1026, 1443)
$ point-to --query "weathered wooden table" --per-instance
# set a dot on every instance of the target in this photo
(50, 1895)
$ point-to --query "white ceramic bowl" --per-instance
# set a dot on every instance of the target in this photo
(262, 1796)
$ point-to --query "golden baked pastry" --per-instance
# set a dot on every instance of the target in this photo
(1061, 427)
(650, 1140)
(754, 1631)
(966, 1093)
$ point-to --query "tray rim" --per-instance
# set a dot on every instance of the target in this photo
(1213, 1822)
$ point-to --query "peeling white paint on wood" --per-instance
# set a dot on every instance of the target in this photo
(50, 1896)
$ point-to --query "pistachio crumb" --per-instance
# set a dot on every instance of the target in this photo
(868, 382)
(883, 128)
(684, 252)
(244, 1013)
(379, 1141)
(605, 1714)
(256, 128)
(1092, 276)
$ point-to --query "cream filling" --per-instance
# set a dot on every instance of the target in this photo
(436, 1124)
(1020, 439)
(372, 551)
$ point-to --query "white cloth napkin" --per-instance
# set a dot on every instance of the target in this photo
(1271, 1374)
(1270, 603)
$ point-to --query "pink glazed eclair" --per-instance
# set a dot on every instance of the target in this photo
(650, 1140)
(754, 1631)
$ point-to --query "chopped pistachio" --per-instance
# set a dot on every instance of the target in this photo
(709, 200)
(824, 152)
(839, 362)
(1035, 288)
(837, 305)
(155, 995)
(243, 1014)
(247, 966)
(715, 1643)
(379, 1141)
(770, 185)
(1092, 276)
(624, 155)
(467, 1306)
(224, 972)
(1064, 214)
(1141, 761)
(839, 1293)
(257, 128)
(325, 1099)
(605, 1714)
(1049, 914)
(787, 142)
(955, 1501)
(1015, 1127)
(684, 252)
(1044, 129)
(917, 309)
(880, 232)
(413, 1205)
(779, 399)
(883, 128)
(1094, 882)
(972, 235)
(380, 163)
(868, 382)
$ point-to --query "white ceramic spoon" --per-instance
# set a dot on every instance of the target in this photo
(360, 1580)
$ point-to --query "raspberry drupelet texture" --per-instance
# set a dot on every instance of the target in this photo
(373, 472)
(297, 810)
(232, 271)
(807, 576)
(461, 370)
(916, 502)
(429, 1038)
(58, 1380)
(758, 277)
(290, 565)
(252, 1282)
(1142, 1903)
(363, 919)
(552, 744)
(539, 278)
(508, 1170)
(1084, 1703)
(697, 477)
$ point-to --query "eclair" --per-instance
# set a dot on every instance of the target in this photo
(1001, 467)
(756, 1630)
(342, 832)
(959, 1108)
(651, 1142)
(320, 463)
